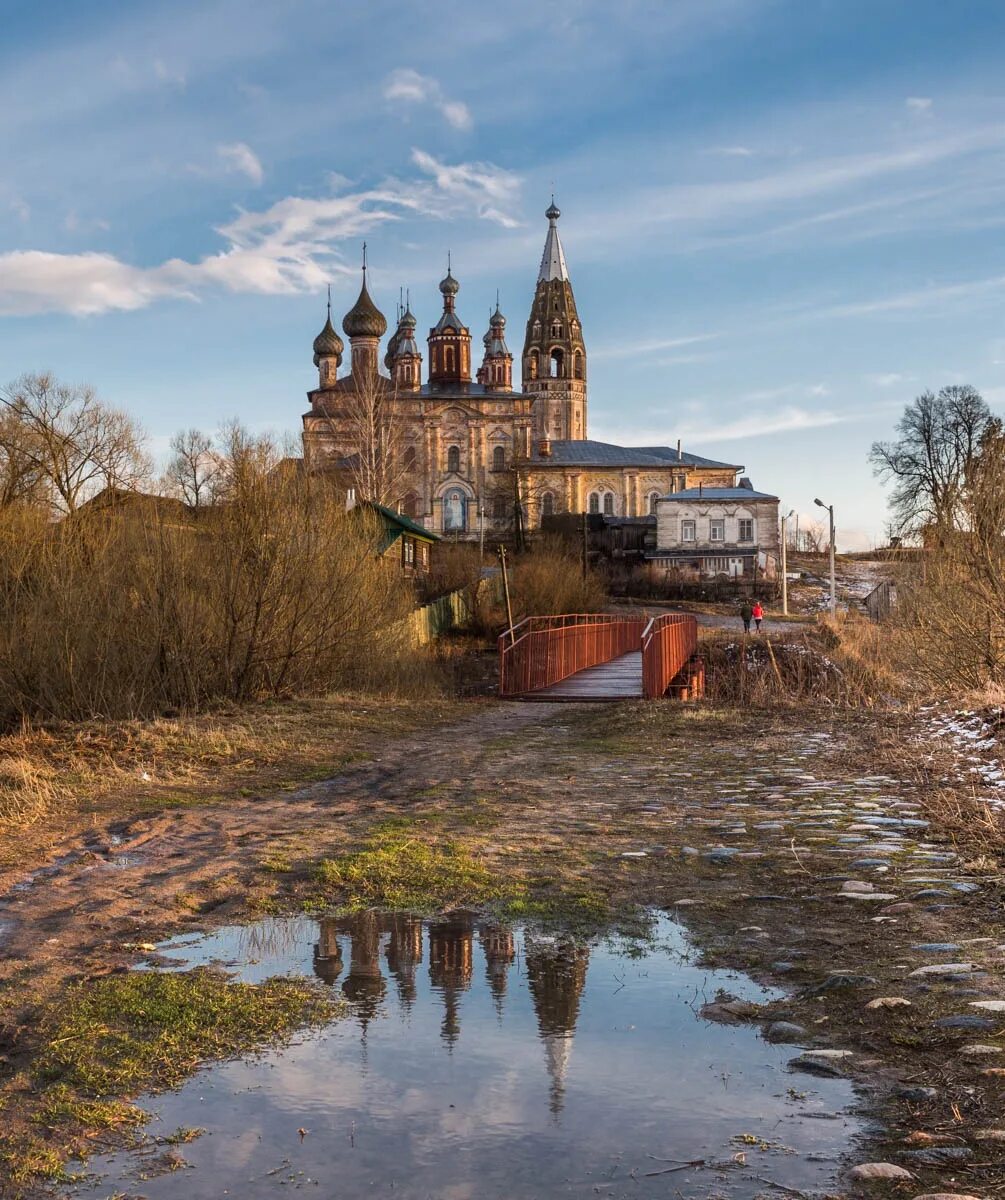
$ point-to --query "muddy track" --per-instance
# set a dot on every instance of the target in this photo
(787, 851)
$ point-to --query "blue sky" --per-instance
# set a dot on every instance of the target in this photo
(783, 220)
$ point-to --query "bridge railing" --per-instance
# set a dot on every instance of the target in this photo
(667, 644)
(541, 651)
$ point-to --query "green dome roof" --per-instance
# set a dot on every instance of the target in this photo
(364, 319)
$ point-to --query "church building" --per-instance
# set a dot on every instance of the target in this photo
(461, 454)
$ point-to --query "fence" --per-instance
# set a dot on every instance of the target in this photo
(881, 601)
(542, 650)
(668, 643)
(438, 617)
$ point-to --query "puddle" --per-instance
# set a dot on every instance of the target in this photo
(480, 1062)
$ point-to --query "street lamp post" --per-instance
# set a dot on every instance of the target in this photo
(785, 567)
(830, 509)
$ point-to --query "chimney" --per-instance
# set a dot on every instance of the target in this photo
(544, 448)
(679, 455)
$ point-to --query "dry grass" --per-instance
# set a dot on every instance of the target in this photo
(57, 777)
(816, 666)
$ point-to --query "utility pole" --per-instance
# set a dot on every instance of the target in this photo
(834, 600)
(785, 565)
(481, 530)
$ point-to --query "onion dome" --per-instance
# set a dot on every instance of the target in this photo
(403, 342)
(553, 212)
(328, 344)
(364, 319)
(449, 286)
(495, 339)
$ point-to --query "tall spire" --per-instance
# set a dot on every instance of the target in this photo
(553, 259)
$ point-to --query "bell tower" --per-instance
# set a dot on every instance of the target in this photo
(554, 354)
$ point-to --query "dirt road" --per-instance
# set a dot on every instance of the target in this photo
(795, 845)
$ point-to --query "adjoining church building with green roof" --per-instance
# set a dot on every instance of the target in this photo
(472, 454)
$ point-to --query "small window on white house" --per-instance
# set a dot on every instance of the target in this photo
(594, 502)
(717, 530)
(746, 529)
(687, 531)
(608, 504)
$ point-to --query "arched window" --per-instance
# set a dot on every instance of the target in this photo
(547, 505)
(454, 459)
(653, 497)
(499, 458)
(578, 361)
(557, 362)
(499, 508)
(408, 459)
(448, 360)
(556, 329)
(594, 502)
(455, 505)
(410, 505)
(532, 366)
(608, 504)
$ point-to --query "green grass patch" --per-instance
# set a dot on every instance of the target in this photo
(393, 870)
(28, 1160)
(147, 1030)
(61, 1105)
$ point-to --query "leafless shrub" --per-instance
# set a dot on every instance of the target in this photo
(143, 608)
(763, 672)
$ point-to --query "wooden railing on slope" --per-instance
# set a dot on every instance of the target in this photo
(542, 650)
(667, 644)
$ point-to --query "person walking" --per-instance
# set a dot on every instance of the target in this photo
(746, 612)
(758, 614)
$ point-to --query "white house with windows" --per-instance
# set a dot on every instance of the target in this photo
(718, 531)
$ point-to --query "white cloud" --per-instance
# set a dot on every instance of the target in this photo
(238, 156)
(730, 151)
(405, 87)
(20, 208)
(919, 104)
(648, 346)
(887, 379)
(294, 245)
(491, 190)
(169, 75)
(785, 420)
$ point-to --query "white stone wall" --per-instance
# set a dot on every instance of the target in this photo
(670, 514)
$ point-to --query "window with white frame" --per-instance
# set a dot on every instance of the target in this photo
(594, 503)
(687, 531)
(653, 497)
(717, 530)
(608, 504)
(715, 566)
(746, 529)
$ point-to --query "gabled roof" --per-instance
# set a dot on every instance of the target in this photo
(398, 523)
(738, 494)
(585, 453)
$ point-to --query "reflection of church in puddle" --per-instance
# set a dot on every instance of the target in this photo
(555, 969)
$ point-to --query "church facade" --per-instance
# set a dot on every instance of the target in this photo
(465, 455)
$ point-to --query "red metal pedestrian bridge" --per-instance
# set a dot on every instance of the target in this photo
(597, 656)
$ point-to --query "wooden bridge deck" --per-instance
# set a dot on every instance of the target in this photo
(619, 679)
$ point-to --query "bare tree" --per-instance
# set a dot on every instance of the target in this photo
(928, 464)
(77, 444)
(367, 432)
(21, 478)
(195, 470)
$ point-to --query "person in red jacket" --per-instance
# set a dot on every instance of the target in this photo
(758, 614)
